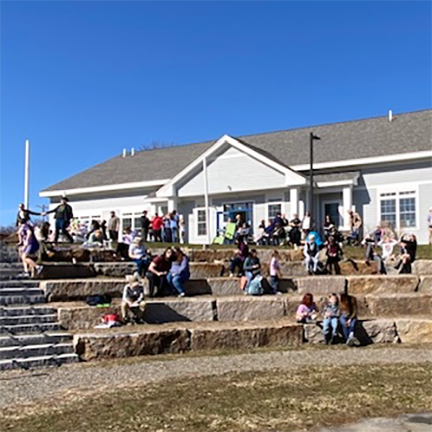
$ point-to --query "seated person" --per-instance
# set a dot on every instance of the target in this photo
(311, 253)
(331, 318)
(94, 240)
(133, 300)
(408, 249)
(122, 250)
(261, 236)
(279, 234)
(138, 254)
(252, 266)
(370, 244)
(157, 273)
(239, 258)
(307, 312)
(348, 319)
(179, 273)
(387, 244)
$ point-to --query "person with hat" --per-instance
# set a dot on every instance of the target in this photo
(138, 253)
(133, 303)
(63, 214)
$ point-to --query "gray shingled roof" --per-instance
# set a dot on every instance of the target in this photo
(333, 177)
(409, 132)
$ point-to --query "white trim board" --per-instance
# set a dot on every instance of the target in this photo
(95, 189)
(366, 161)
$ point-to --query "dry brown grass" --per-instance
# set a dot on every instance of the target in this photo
(265, 401)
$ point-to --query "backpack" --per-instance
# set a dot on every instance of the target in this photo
(97, 299)
(255, 287)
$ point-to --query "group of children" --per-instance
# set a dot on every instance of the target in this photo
(336, 313)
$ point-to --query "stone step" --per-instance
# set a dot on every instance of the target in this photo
(35, 362)
(27, 319)
(34, 339)
(17, 265)
(39, 350)
(22, 291)
(22, 300)
(25, 310)
(170, 339)
(78, 316)
(19, 284)
(29, 328)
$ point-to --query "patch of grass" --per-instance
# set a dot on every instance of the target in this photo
(267, 401)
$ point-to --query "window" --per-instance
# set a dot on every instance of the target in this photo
(201, 223)
(398, 209)
(273, 210)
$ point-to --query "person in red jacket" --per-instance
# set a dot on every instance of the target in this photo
(157, 224)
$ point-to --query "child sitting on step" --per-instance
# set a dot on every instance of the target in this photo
(331, 318)
(307, 312)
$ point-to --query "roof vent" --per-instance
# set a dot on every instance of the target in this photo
(132, 151)
(124, 152)
(390, 115)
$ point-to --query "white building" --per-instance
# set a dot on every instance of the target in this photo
(381, 167)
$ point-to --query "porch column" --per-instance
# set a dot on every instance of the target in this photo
(347, 205)
(206, 201)
(294, 201)
(172, 204)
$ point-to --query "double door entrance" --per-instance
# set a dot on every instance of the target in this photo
(231, 210)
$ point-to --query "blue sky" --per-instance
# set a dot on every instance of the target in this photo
(83, 80)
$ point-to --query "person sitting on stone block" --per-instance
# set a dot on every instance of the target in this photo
(331, 318)
(307, 312)
(348, 318)
(133, 305)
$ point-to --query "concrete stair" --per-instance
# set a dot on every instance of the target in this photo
(29, 330)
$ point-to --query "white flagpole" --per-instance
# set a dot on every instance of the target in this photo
(27, 174)
(206, 200)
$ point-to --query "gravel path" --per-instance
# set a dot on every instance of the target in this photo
(20, 387)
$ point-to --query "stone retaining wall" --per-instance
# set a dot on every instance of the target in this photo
(151, 340)
(67, 290)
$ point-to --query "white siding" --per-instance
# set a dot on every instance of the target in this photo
(416, 177)
(233, 171)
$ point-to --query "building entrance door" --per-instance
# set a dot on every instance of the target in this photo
(332, 209)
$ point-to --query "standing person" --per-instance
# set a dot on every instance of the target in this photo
(63, 214)
(145, 225)
(174, 226)
(157, 224)
(157, 273)
(355, 223)
(113, 227)
(295, 233)
(166, 228)
(275, 272)
(334, 253)
(331, 319)
(348, 318)
(23, 215)
(306, 224)
(179, 273)
(29, 250)
(429, 220)
(182, 230)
